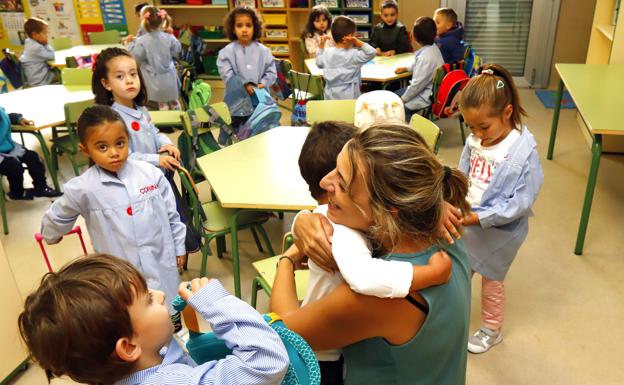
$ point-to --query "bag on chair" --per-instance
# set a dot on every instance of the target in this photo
(378, 106)
(265, 116)
(446, 99)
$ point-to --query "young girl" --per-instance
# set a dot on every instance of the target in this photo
(244, 63)
(318, 25)
(156, 51)
(128, 205)
(500, 159)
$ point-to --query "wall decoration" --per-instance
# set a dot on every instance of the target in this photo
(60, 16)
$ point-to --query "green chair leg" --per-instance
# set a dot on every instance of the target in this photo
(221, 246)
(461, 129)
(205, 252)
(73, 163)
(235, 261)
(5, 222)
(265, 237)
(255, 237)
(589, 193)
(255, 286)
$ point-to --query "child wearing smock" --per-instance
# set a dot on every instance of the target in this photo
(500, 158)
(342, 65)
(37, 53)
(427, 59)
(128, 204)
(156, 51)
(318, 25)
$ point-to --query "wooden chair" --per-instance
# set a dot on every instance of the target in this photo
(68, 144)
(428, 130)
(60, 43)
(267, 268)
(105, 37)
(76, 77)
(212, 221)
(323, 110)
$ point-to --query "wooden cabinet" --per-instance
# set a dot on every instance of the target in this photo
(13, 354)
(606, 44)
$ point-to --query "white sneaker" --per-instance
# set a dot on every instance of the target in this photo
(483, 340)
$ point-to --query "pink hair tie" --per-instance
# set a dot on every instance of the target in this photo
(162, 13)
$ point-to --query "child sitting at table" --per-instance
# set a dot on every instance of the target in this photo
(390, 36)
(12, 155)
(318, 25)
(37, 53)
(342, 65)
(450, 35)
(417, 95)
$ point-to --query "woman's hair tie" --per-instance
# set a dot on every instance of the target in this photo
(447, 173)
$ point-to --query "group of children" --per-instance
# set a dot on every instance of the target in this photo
(115, 310)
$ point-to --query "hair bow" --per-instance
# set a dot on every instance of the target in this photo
(94, 61)
(162, 14)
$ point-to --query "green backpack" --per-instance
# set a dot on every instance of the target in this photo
(200, 94)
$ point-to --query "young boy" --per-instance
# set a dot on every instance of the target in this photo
(417, 95)
(13, 155)
(96, 322)
(37, 54)
(342, 64)
(450, 34)
(350, 248)
(390, 36)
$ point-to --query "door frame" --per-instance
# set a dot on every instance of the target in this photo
(544, 19)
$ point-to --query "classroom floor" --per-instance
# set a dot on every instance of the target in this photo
(564, 312)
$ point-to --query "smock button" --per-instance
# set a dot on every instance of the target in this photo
(129, 210)
(136, 126)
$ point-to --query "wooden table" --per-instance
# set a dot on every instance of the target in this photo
(79, 50)
(596, 90)
(259, 173)
(380, 69)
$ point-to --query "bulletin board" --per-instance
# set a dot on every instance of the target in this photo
(60, 16)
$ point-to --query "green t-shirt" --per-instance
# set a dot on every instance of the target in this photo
(437, 354)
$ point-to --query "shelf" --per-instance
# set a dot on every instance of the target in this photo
(607, 30)
(295, 39)
(363, 25)
(223, 40)
(184, 6)
(346, 9)
(277, 9)
(279, 54)
(299, 9)
(275, 39)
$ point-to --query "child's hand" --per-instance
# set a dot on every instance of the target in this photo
(378, 51)
(171, 150)
(322, 41)
(196, 285)
(451, 223)
(400, 70)
(260, 85)
(471, 219)
(249, 88)
(390, 53)
(169, 30)
(181, 260)
(440, 264)
(128, 39)
(168, 162)
(26, 122)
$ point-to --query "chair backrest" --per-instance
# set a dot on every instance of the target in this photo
(306, 86)
(323, 110)
(76, 76)
(427, 129)
(60, 43)
(105, 37)
(73, 111)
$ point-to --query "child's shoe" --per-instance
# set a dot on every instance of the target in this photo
(484, 339)
(47, 192)
(26, 195)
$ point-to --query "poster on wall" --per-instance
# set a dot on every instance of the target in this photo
(11, 6)
(60, 16)
(113, 16)
(13, 25)
(89, 17)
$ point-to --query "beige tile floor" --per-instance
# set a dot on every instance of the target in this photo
(564, 312)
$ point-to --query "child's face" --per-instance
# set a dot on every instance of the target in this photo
(443, 24)
(243, 29)
(389, 15)
(349, 209)
(320, 23)
(41, 37)
(122, 79)
(151, 324)
(107, 145)
(490, 129)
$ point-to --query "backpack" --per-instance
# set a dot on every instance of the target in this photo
(472, 61)
(12, 68)
(378, 106)
(448, 81)
(281, 88)
(266, 115)
(200, 95)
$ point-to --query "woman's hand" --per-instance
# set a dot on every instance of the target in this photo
(171, 150)
(451, 223)
(168, 162)
(196, 285)
(314, 235)
(300, 260)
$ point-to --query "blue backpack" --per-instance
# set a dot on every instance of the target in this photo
(265, 116)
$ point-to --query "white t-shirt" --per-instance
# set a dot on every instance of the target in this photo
(483, 164)
(364, 274)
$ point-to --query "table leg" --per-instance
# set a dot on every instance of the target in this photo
(555, 122)
(589, 193)
(235, 261)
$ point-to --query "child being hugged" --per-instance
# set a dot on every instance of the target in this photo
(244, 63)
(450, 35)
(156, 51)
(128, 205)
(342, 65)
(501, 160)
(37, 53)
(390, 36)
(96, 321)
(318, 25)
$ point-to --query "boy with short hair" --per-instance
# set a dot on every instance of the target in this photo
(450, 35)
(342, 64)
(96, 321)
(389, 37)
(37, 54)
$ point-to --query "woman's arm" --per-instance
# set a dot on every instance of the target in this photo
(284, 294)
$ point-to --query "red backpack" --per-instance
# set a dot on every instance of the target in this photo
(448, 82)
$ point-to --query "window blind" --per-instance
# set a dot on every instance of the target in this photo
(498, 30)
